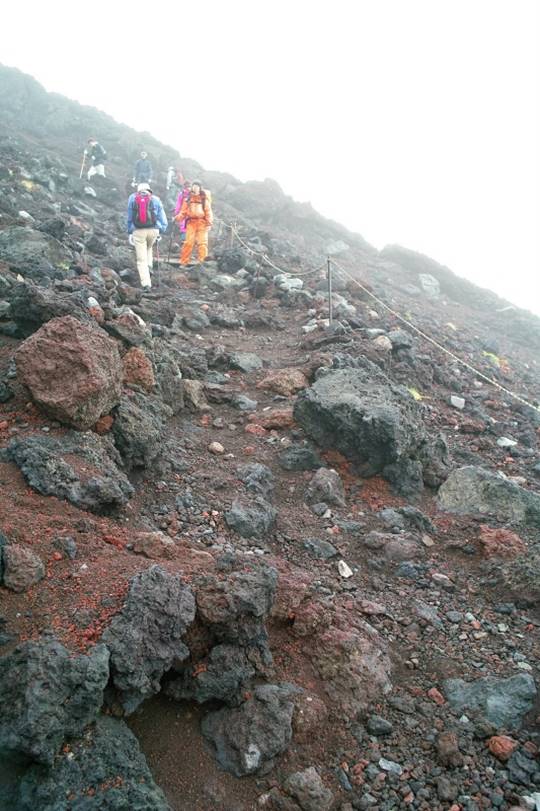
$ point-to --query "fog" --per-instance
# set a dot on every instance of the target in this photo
(409, 121)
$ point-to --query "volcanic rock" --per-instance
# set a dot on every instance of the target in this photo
(145, 638)
(73, 371)
(79, 467)
(48, 694)
(103, 770)
(503, 702)
(376, 424)
(477, 491)
(22, 567)
(246, 740)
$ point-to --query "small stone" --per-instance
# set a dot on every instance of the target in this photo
(390, 766)
(506, 442)
(344, 570)
(501, 746)
(379, 726)
(22, 568)
(457, 402)
(216, 448)
(383, 343)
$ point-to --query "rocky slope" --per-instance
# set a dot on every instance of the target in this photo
(249, 559)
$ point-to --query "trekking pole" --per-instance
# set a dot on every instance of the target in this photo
(329, 271)
(158, 279)
(170, 243)
(82, 165)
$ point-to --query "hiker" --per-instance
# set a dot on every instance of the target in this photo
(184, 194)
(196, 210)
(146, 222)
(143, 170)
(175, 181)
(97, 157)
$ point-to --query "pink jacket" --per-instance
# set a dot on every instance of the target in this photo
(181, 197)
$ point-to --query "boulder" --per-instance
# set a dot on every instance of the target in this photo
(257, 479)
(222, 677)
(326, 487)
(476, 491)
(375, 424)
(31, 306)
(145, 638)
(167, 363)
(138, 428)
(235, 608)
(251, 519)
(22, 567)
(80, 468)
(27, 251)
(300, 457)
(128, 326)
(429, 285)
(284, 381)
(103, 770)
(48, 695)
(246, 740)
(502, 702)
(138, 369)
(73, 371)
(309, 790)
(353, 662)
(245, 362)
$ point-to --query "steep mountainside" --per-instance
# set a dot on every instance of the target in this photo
(249, 558)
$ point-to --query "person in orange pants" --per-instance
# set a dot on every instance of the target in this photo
(196, 210)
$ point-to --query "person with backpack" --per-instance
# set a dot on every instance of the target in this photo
(184, 194)
(196, 210)
(97, 157)
(146, 221)
(143, 170)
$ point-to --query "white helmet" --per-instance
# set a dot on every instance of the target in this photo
(144, 187)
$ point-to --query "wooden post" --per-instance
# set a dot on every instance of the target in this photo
(330, 308)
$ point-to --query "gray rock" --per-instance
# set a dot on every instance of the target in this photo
(145, 638)
(251, 519)
(104, 771)
(168, 373)
(457, 402)
(22, 567)
(195, 320)
(326, 485)
(309, 790)
(78, 467)
(48, 694)
(476, 491)
(429, 285)
(31, 306)
(320, 548)
(226, 673)
(257, 479)
(376, 424)
(407, 517)
(503, 702)
(246, 740)
(379, 726)
(245, 362)
(28, 251)
(235, 609)
(128, 326)
(138, 428)
(243, 403)
(400, 339)
(300, 457)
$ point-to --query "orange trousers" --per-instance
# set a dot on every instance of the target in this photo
(196, 234)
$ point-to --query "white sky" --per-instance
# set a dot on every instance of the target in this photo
(409, 121)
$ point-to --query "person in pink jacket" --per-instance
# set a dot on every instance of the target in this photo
(181, 197)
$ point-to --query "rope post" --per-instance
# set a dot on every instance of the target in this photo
(329, 275)
(233, 229)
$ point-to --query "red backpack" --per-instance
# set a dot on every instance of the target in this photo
(144, 215)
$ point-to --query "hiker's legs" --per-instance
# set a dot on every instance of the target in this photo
(141, 251)
(151, 236)
(202, 243)
(96, 170)
(187, 247)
